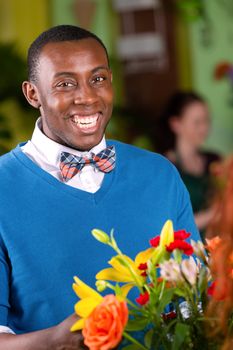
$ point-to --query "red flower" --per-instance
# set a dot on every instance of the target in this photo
(142, 266)
(143, 298)
(181, 234)
(154, 242)
(181, 245)
(144, 274)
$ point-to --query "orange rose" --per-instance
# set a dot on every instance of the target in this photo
(104, 327)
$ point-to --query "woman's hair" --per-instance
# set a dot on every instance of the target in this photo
(174, 108)
(222, 257)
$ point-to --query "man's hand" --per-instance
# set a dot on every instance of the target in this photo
(55, 338)
(63, 339)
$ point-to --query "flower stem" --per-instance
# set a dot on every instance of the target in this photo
(162, 289)
(134, 275)
(132, 304)
(134, 341)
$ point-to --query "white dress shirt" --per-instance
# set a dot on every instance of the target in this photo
(46, 154)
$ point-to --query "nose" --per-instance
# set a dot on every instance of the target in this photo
(85, 94)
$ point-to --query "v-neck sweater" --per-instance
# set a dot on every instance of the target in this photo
(45, 229)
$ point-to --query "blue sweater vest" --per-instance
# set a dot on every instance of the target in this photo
(45, 229)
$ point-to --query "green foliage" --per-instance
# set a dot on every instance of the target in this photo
(190, 10)
(181, 334)
(13, 72)
(148, 338)
(136, 324)
(5, 134)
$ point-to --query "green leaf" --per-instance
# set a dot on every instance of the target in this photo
(136, 324)
(181, 334)
(151, 271)
(179, 292)
(202, 282)
(118, 290)
(165, 299)
(148, 338)
(132, 347)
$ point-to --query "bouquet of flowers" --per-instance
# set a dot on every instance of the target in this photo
(173, 284)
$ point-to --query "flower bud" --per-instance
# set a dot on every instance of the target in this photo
(199, 249)
(100, 236)
(167, 234)
(101, 285)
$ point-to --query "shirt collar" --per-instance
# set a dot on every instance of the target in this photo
(51, 150)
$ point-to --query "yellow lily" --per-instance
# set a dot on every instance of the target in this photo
(89, 299)
(166, 237)
(125, 270)
(167, 234)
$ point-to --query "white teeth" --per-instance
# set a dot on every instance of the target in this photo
(86, 122)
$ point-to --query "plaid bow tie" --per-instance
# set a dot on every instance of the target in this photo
(70, 164)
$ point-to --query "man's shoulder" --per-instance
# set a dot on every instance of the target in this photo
(9, 159)
(140, 154)
(5, 158)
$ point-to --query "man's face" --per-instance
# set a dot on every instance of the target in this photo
(74, 91)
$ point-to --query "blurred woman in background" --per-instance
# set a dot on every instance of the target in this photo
(185, 125)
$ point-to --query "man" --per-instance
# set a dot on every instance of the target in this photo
(49, 205)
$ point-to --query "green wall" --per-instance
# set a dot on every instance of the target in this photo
(62, 12)
(204, 57)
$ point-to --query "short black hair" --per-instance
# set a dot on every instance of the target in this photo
(58, 33)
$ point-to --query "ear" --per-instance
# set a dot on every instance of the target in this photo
(174, 124)
(31, 93)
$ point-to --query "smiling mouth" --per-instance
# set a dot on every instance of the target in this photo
(85, 122)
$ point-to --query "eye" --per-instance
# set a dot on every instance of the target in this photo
(65, 84)
(99, 79)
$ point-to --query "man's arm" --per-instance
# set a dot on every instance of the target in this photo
(55, 338)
